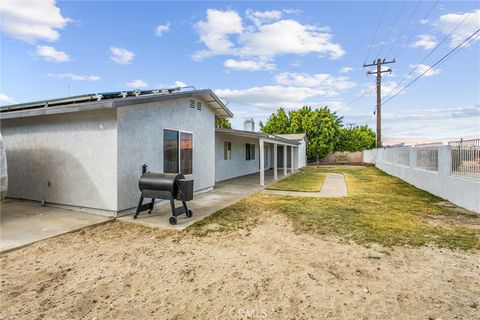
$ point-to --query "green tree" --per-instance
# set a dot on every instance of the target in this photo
(222, 123)
(321, 127)
(277, 123)
(355, 139)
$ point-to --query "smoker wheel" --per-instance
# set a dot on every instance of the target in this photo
(189, 213)
(173, 220)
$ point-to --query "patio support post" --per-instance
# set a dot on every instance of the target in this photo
(262, 164)
(284, 160)
(292, 162)
(275, 175)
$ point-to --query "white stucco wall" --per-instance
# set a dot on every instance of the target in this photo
(140, 140)
(302, 154)
(461, 191)
(369, 156)
(237, 166)
(67, 159)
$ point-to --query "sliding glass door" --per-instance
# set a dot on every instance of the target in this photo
(177, 152)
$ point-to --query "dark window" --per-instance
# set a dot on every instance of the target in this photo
(170, 151)
(249, 151)
(227, 150)
(199, 105)
(192, 104)
(186, 148)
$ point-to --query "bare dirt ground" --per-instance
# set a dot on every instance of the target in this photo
(126, 271)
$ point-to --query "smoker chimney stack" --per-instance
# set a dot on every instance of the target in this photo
(249, 125)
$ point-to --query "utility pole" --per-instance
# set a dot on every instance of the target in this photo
(378, 111)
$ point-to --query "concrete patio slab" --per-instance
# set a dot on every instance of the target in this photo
(25, 222)
(225, 193)
(333, 186)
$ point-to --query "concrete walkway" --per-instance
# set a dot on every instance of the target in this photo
(333, 186)
(224, 194)
(26, 222)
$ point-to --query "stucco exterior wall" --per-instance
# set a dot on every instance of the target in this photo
(461, 191)
(140, 140)
(302, 154)
(67, 159)
(237, 166)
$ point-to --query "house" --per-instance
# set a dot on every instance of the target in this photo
(86, 152)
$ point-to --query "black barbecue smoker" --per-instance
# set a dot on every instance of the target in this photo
(166, 186)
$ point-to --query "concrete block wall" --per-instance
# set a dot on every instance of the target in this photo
(463, 192)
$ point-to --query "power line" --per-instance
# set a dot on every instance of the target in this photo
(391, 29)
(459, 47)
(406, 25)
(364, 94)
(412, 33)
(430, 53)
(376, 31)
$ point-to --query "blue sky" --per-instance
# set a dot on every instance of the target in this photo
(256, 55)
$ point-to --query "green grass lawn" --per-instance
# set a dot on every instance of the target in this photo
(379, 209)
(308, 179)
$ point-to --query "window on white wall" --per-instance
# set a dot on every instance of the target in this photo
(227, 150)
(249, 151)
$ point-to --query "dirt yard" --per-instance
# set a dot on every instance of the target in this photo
(126, 271)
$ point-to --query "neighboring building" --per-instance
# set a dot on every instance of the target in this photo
(86, 152)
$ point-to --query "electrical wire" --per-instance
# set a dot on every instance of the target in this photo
(376, 31)
(392, 28)
(451, 52)
(429, 54)
(406, 24)
(412, 33)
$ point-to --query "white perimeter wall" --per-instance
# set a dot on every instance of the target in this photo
(140, 140)
(76, 153)
(237, 166)
(460, 191)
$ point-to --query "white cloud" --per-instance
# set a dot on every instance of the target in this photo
(137, 84)
(51, 54)
(261, 17)
(389, 88)
(121, 55)
(4, 99)
(32, 20)
(292, 90)
(179, 84)
(74, 77)
(269, 96)
(425, 42)
(319, 80)
(346, 69)
(425, 123)
(421, 68)
(248, 65)
(288, 37)
(161, 29)
(434, 123)
(448, 22)
(215, 30)
(263, 40)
